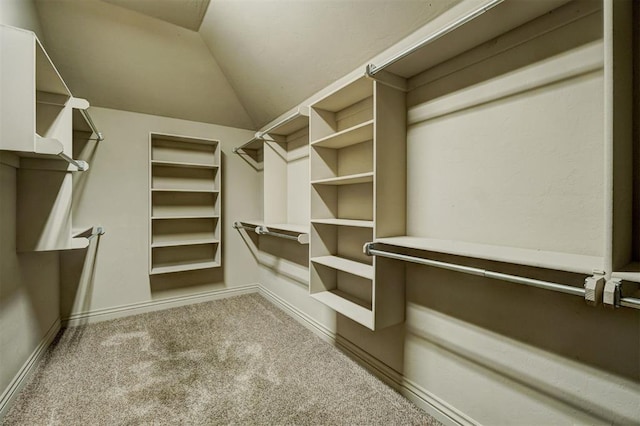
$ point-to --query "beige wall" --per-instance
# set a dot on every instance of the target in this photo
(28, 281)
(114, 193)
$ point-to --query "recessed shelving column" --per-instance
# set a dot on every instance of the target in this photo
(185, 183)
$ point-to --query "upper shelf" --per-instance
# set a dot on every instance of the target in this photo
(291, 124)
(37, 106)
(537, 258)
(457, 31)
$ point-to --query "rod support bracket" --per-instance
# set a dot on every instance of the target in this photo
(594, 289)
(611, 295)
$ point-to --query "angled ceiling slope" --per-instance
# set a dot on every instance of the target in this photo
(121, 59)
(186, 13)
(277, 53)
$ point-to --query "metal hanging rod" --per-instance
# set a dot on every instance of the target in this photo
(286, 120)
(373, 69)
(82, 166)
(256, 137)
(264, 230)
(562, 288)
(300, 238)
(91, 124)
(91, 233)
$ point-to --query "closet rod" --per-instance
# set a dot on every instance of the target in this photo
(257, 137)
(239, 225)
(576, 291)
(301, 238)
(298, 113)
(630, 302)
(374, 69)
(91, 124)
(82, 166)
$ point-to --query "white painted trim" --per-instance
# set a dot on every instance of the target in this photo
(27, 369)
(154, 305)
(431, 404)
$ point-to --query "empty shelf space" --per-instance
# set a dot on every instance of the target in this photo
(346, 305)
(537, 258)
(345, 222)
(351, 136)
(346, 180)
(183, 164)
(184, 243)
(184, 267)
(346, 265)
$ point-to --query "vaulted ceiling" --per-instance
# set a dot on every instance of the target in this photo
(238, 63)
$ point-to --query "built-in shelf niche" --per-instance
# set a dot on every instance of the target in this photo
(356, 152)
(184, 204)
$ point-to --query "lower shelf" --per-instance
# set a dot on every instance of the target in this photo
(184, 267)
(172, 257)
(348, 306)
(346, 265)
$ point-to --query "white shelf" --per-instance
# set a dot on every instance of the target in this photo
(345, 222)
(290, 227)
(354, 135)
(537, 258)
(342, 303)
(208, 191)
(346, 180)
(341, 264)
(630, 272)
(201, 216)
(183, 164)
(184, 243)
(184, 267)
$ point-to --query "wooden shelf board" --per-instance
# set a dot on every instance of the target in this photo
(341, 264)
(337, 301)
(486, 26)
(346, 180)
(210, 191)
(184, 243)
(202, 216)
(349, 94)
(182, 164)
(537, 258)
(345, 222)
(184, 267)
(351, 136)
(631, 272)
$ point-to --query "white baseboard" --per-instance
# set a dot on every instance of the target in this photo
(23, 375)
(431, 404)
(99, 315)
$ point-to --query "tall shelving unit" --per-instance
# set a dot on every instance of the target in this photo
(357, 186)
(184, 204)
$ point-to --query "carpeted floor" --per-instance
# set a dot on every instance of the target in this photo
(234, 361)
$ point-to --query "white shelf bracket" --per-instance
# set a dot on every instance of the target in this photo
(611, 295)
(594, 289)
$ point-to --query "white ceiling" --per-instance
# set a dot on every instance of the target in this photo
(186, 13)
(251, 60)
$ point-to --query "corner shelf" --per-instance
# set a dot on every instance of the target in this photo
(184, 204)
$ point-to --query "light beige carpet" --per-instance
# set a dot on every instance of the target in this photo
(234, 361)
